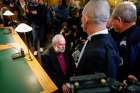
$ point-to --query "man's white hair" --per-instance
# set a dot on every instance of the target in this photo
(57, 39)
(126, 11)
(97, 10)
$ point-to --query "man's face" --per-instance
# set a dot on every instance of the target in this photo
(117, 24)
(60, 47)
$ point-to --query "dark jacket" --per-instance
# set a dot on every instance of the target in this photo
(41, 17)
(52, 67)
(129, 48)
(100, 55)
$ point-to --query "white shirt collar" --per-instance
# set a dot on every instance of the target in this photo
(97, 33)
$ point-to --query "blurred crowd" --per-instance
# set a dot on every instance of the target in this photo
(79, 40)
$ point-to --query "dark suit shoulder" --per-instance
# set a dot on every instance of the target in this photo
(134, 36)
(103, 40)
(48, 51)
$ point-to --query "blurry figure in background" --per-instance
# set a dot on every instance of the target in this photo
(21, 9)
(72, 30)
(78, 36)
(37, 16)
(66, 31)
(76, 49)
(76, 31)
(12, 6)
(1, 15)
(58, 63)
(124, 22)
(138, 13)
(61, 14)
(99, 53)
(75, 4)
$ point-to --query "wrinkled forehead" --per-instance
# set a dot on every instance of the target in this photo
(62, 41)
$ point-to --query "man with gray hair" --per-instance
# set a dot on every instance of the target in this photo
(99, 54)
(58, 63)
(124, 22)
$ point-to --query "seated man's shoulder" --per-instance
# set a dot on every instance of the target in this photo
(47, 51)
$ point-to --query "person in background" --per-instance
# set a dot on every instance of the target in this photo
(138, 13)
(1, 15)
(61, 13)
(59, 64)
(99, 54)
(124, 22)
(37, 16)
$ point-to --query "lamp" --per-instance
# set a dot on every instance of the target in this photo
(23, 28)
(8, 13)
(8, 17)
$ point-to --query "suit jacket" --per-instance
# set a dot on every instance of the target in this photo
(129, 48)
(100, 55)
(52, 67)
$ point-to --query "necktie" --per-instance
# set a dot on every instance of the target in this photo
(62, 62)
(81, 54)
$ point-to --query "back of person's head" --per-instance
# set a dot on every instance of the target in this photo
(126, 11)
(98, 11)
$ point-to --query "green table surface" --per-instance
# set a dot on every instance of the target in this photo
(15, 75)
(5, 36)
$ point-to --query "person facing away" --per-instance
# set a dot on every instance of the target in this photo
(128, 41)
(100, 54)
(59, 64)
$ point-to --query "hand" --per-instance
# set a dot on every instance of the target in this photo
(26, 10)
(132, 77)
(66, 88)
(34, 12)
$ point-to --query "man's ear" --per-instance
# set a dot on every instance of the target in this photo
(84, 22)
(85, 19)
(119, 19)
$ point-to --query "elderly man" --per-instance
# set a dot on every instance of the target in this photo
(59, 64)
(99, 53)
(124, 22)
